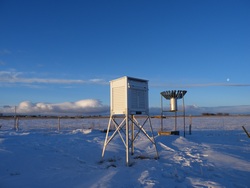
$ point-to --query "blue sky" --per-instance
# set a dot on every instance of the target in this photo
(65, 51)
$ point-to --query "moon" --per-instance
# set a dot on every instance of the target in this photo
(228, 79)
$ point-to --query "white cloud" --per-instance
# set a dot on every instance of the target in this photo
(82, 107)
(11, 77)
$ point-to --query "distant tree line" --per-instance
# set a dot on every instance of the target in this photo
(215, 114)
(51, 116)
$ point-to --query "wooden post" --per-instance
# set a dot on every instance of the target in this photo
(184, 115)
(190, 125)
(175, 121)
(161, 114)
(16, 123)
(59, 126)
(15, 119)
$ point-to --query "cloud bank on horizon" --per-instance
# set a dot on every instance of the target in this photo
(86, 106)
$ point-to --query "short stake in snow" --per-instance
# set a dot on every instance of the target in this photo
(246, 131)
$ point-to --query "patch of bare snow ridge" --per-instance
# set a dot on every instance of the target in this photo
(84, 131)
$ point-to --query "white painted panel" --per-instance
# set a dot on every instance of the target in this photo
(118, 100)
(129, 94)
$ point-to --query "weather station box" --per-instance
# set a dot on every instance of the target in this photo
(129, 96)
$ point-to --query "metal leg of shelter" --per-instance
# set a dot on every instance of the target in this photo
(127, 141)
(117, 130)
(132, 136)
(106, 138)
(156, 150)
(141, 129)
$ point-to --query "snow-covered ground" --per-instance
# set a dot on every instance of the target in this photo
(216, 154)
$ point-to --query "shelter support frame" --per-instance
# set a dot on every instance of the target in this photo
(128, 136)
